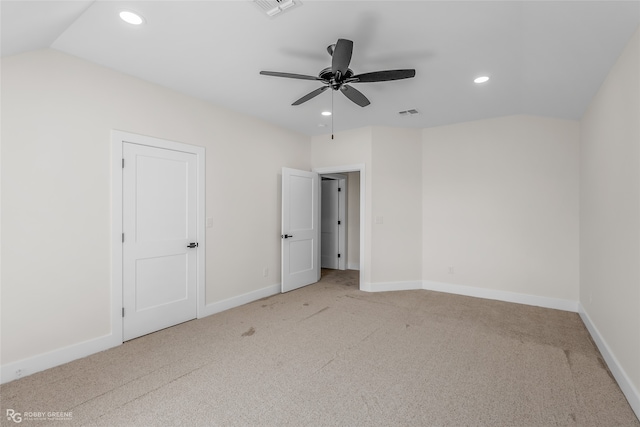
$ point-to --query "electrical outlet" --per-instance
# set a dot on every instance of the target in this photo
(210, 222)
(451, 270)
(19, 373)
(265, 272)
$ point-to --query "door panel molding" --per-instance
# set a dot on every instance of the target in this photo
(118, 138)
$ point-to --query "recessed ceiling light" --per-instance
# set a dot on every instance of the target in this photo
(481, 79)
(131, 18)
(326, 113)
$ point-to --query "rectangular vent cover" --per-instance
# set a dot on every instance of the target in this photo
(275, 7)
(409, 112)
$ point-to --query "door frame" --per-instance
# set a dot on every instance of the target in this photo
(118, 138)
(354, 168)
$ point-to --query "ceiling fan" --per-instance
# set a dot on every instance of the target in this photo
(339, 76)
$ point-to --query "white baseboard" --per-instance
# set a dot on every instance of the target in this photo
(471, 291)
(50, 359)
(365, 287)
(555, 303)
(394, 286)
(233, 302)
(625, 384)
(353, 266)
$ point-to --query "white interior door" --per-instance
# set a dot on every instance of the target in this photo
(300, 228)
(159, 224)
(329, 230)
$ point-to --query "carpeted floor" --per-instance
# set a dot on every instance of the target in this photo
(330, 355)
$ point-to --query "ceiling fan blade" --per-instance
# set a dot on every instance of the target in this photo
(311, 95)
(341, 56)
(289, 75)
(383, 76)
(355, 95)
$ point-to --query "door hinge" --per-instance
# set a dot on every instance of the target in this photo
(122, 237)
(122, 311)
(339, 189)
(339, 222)
(339, 255)
(122, 163)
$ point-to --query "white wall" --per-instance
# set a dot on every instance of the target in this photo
(500, 206)
(495, 199)
(610, 218)
(396, 205)
(57, 114)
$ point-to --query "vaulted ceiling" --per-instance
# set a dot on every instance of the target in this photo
(543, 57)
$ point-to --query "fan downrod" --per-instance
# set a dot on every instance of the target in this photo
(331, 48)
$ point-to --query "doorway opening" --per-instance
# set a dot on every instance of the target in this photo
(333, 221)
(350, 230)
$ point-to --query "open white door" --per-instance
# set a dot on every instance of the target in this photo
(300, 228)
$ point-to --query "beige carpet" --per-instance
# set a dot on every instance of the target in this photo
(330, 355)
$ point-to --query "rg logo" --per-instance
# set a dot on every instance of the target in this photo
(14, 416)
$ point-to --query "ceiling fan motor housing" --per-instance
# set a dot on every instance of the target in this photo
(329, 78)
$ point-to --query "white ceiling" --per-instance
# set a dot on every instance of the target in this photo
(544, 57)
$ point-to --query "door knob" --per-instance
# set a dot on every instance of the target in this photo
(286, 236)
(192, 245)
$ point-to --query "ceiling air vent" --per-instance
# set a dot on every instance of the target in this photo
(275, 7)
(409, 112)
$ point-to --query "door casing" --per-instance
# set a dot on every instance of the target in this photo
(117, 140)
